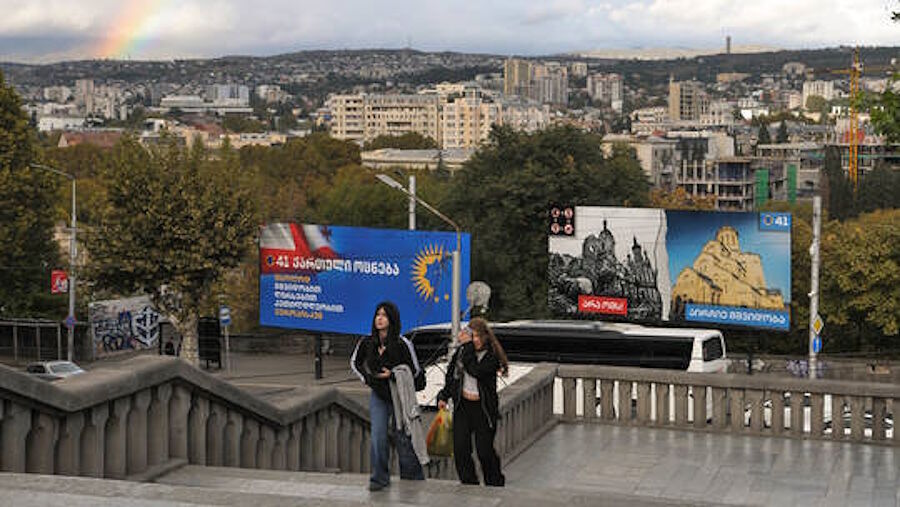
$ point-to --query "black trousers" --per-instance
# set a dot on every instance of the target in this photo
(469, 419)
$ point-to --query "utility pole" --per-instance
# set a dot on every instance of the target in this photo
(814, 286)
(412, 202)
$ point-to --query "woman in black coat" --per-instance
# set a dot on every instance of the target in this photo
(471, 382)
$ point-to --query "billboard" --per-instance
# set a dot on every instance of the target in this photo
(330, 278)
(650, 265)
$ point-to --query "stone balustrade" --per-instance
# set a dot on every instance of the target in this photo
(151, 412)
(146, 415)
(738, 404)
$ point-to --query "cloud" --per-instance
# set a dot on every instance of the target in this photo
(177, 28)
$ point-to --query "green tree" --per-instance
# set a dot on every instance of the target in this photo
(502, 196)
(879, 189)
(762, 136)
(175, 220)
(680, 199)
(408, 141)
(839, 191)
(782, 135)
(27, 211)
(886, 114)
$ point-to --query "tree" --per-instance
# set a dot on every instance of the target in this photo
(174, 221)
(879, 189)
(861, 271)
(503, 193)
(680, 199)
(838, 189)
(27, 211)
(762, 136)
(886, 114)
(782, 136)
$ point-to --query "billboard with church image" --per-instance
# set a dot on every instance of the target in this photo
(652, 265)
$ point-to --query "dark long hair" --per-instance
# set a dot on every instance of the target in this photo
(393, 315)
(480, 326)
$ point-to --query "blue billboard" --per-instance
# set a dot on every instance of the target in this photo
(330, 278)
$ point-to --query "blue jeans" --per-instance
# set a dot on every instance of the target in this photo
(381, 414)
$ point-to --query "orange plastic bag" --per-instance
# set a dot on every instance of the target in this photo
(440, 435)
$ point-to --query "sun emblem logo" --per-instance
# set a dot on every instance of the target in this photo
(427, 271)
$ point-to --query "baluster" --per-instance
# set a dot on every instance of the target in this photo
(197, 421)
(93, 441)
(231, 447)
(249, 443)
(69, 446)
(179, 409)
(265, 446)
(879, 412)
(307, 443)
(136, 450)
(344, 439)
(568, 386)
(662, 404)
(777, 412)
(356, 449)
(624, 411)
(293, 446)
(817, 415)
(116, 439)
(797, 418)
(41, 444)
(857, 418)
(700, 415)
(643, 403)
(279, 451)
(837, 416)
(720, 408)
(736, 397)
(215, 435)
(158, 426)
(681, 405)
(15, 426)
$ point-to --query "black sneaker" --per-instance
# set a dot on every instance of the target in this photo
(374, 486)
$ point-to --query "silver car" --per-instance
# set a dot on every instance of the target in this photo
(53, 370)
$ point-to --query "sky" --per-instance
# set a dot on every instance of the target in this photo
(55, 30)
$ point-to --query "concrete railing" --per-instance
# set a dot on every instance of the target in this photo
(526, 413)
(738, 404)
(150, 413)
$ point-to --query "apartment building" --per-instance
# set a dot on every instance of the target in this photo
(466, 120)
(688, 101)
(550, 84)
(396, 114)
(824, 89)
(607, 89)
(347, 117)
(517, 77)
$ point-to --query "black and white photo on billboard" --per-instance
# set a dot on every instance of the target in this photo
(615, 253)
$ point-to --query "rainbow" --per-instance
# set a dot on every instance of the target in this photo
(132, 25)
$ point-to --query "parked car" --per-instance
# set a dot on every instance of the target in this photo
(53, 370)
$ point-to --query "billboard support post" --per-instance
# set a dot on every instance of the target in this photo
(412, 202)
(454, 305)
(318, 356)
(814, 284)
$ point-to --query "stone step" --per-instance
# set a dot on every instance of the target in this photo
(351, 489)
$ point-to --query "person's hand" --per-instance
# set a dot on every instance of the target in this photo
(464, 336)
(442, 404)
(385, 373)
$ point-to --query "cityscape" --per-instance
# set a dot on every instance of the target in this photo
(639, 253)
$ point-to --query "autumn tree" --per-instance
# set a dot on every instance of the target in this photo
(680, 199)
(175, 220)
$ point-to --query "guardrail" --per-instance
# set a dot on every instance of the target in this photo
(739, 404)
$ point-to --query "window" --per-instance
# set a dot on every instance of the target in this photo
(712, 349)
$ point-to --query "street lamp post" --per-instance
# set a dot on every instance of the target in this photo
(454, 301)
(73, 253)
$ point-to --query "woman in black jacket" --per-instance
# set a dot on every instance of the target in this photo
(372, 360)
(472, 383)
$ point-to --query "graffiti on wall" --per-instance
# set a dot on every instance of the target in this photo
(124, 324)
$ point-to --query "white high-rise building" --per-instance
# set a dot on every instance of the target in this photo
(395, 115)
(550, 84)
(347, 117)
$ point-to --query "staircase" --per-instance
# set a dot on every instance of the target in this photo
(195, 485)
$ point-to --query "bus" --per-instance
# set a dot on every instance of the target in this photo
(591, 342)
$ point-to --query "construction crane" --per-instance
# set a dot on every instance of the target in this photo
(855, 72)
